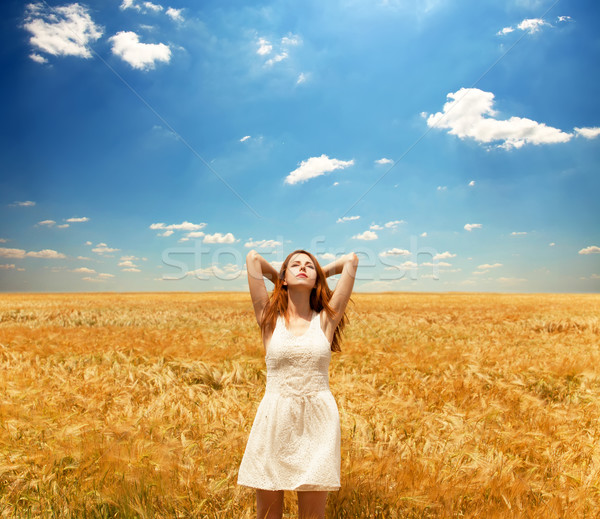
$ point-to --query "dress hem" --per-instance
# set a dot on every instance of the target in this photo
(309, 489)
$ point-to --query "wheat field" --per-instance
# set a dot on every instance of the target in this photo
(451, 405)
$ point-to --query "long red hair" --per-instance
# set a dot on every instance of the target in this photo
(320, 296)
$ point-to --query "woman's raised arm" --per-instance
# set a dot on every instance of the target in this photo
(258, 267)
(346, 265)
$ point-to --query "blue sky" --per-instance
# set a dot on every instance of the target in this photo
(453, 145)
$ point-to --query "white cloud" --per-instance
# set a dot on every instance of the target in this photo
(442, 188)
(347, 219)
(61, 31)
(469, 114)
(153, 7)
(592, 249)
(406, 265)
(518, 233)
(82, 219)
(129, 4)
(315, 167)
(302, 78)
(444, 255)
(167, 233)
(383, 160)
(37, 58)
(88, 242)
(174, 14)
(551, 244)
(219, 238)
(588, 133)
(229, 271)
(84, 270)
(327, 256)
(530, 25)
(27, 203)
(46, 254)
(438, 264)
(102, 248)
(183, 226)
(564, 19)
(105, 275)
(11, 253)
(470, 226)
(393, 224)
(264, 47)
(92, 280)
(245, 138)
(488, 266)
(62, 226)
(131, 269)
(141, 56)
(126, 263)
(424, 235)
(49, 223)
(277, 58)
(262, 244)
(395, 252)
(375, 227)
(367, 235)
(291, 40)
(472, 183)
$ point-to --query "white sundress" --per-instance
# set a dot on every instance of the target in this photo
(294, 443)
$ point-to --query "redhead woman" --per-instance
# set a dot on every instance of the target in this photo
(294, 443)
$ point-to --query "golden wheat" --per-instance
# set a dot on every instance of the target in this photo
(451, 405)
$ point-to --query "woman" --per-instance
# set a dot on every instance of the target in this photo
(294, 443)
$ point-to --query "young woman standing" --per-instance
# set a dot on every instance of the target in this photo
(294, 443)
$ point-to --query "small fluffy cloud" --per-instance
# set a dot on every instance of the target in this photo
(302, 78)
(102, 248)
(444, 255)
(469, 113)
(518, 233)
(27, 203)
(74, 220)
(141, 56)
(470, 226)
(264, 47)
(488, 266)
(48, 223)
(153, 7)
(393, 224)
(472, 183)
(367, 235)
(174, 14)
(592, 249)
(219, 238)
(347, 219)
(183, 226)
(60, 31)
(588, 133)
(315, 167)
(395, 252)
(244, 139)
(383, 161)
(46, 254)
(84, 270)
(530, 25)
(262, 244)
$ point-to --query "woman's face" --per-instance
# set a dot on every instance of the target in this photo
(301, 271)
